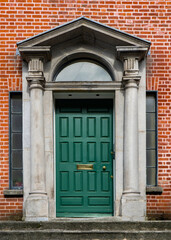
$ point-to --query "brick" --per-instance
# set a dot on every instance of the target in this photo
(147, 19)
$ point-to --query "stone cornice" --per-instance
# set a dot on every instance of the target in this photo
(41, 52)
(83, 27)
(125, 52)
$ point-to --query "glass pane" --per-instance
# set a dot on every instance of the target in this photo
(83, 71)
(17, 178)
(151, 139)
(151, 176)
(17, 141)
(17, 159)
(150, 121)
(151, 158)
(150, 103)
(16, 123)
(16, 103)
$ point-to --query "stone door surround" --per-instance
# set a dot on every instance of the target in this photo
(39, 57)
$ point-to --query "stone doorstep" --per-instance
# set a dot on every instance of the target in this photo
(93, 224)
(77, 235)
(84, 229)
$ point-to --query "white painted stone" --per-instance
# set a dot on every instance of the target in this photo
(59, 54)
(26, 136)
(50, 180)
(133, 198)
(48, 119)
(118, 174)
(36, 208)
(36, 204)
(131, 66)
(133, 208)
(40, 167)
(49, 151)
(37, 141)
(48, 103)
(142, 129)
(48, 144)
(35, 66)
(26, 172)
(131, 182)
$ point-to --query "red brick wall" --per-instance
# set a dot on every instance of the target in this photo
(150, 20)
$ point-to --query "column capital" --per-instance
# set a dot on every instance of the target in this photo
(35, 76)
(124, 52)
(130, 56)
(36, 57)
(41, 52)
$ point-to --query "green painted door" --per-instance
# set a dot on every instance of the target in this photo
(84, 164)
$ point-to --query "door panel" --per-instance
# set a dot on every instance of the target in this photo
(84, 136)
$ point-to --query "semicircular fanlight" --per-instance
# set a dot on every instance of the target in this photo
(83, 70)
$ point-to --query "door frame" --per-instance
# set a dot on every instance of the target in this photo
(45, 54)
(88, 95)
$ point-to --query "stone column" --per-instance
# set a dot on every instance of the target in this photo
(130, 82)
(132, 204)
(37, 201)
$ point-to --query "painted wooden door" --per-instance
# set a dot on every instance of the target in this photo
(84, 164)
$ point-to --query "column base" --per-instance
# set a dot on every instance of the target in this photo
(36, 208)
(133, 207)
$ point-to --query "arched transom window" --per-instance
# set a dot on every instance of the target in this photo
(82, 71)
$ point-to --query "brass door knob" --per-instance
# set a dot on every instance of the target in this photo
(104, 167)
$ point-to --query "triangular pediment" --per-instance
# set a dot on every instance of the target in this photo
(84, 30)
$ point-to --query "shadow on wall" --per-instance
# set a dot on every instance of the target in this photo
(159, 216)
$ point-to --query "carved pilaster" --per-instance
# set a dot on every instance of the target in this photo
(36, 206)
(131, 198)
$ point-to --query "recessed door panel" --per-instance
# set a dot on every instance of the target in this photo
(77, 127)
(105, 127)
(64, 179)
(78, 181)
(84, 163)
(105, 175)
(91, 126)
(105, 151)
(64, 151)
(91, 151)
(78, 151)
(64, 126)
(91, 181)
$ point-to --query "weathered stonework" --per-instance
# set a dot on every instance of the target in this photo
(128, 92)
(131, 66)
(144, 19)
(35, 67)
(132, 203)
(36, 206)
